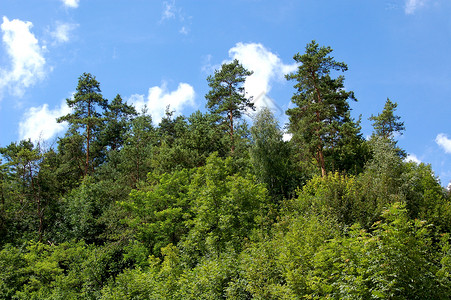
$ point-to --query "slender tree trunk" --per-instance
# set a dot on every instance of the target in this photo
(88, 137)
(40, 215)
(232, 149)
(2, 211)
(37, 198)
(3, 195)
(320, 150)
(88, 133)
(322, 163)
(138, 161)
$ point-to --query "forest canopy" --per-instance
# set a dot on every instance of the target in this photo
(207, 206)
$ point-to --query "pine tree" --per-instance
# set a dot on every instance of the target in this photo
(23, 161)
(322, 108)
(386, 124)
(227, 96)
(118, 117)
(85, 113)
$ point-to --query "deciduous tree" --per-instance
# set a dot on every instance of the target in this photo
(270, 155)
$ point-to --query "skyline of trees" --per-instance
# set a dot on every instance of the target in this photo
(128, 209)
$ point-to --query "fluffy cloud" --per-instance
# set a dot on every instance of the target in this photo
(412, 158)
(71, 3)
(443, 141)
(412, 5)
(27, 57)
(62, 32)
(159, 98)
(267, 68)
(39, 123)
(184, 30)
(168, 10)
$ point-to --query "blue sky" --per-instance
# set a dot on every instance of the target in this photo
(160, 53)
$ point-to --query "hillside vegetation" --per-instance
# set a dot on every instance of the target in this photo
(208, 207)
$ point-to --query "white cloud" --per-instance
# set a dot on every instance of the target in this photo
(207, 67)
(412, 158)
(412, 5)
(39, 123)
(62, 32)
(184, 30)
(443, 141)
(71, 3)
(168, 10)
(267, 67)
(172, 12)
(159, 98)
(27, 58)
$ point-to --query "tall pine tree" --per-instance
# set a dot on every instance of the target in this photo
(386, 124)
(322, 110)
(85, 115)
(118, 116)
(227, 97)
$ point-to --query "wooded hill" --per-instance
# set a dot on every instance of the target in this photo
(207, 207)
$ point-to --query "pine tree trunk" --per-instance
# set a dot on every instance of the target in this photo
(88, 133)
(232, 149)
(37, 198)
(321, 161)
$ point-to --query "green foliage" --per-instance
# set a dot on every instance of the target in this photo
(396, 260)
(318, 122)
(213, 278)
(202, 137)
(384, 181)
(85, 116)
(308, 258)
(381, 182)
(123, 209)
(334, 196)
(425, 197)
(227, 207)
(70, 159)
(41, 271)
(279, 267)
(12, 271)
(351, 152)
(26, 191)
(174, 151)
(68, 270)
(117, 121)
(91, 214)
(159, 281)
(386, 124)
(227, 97)
(210, 209)
(270, 155)
(160, 211)
(134, 161)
